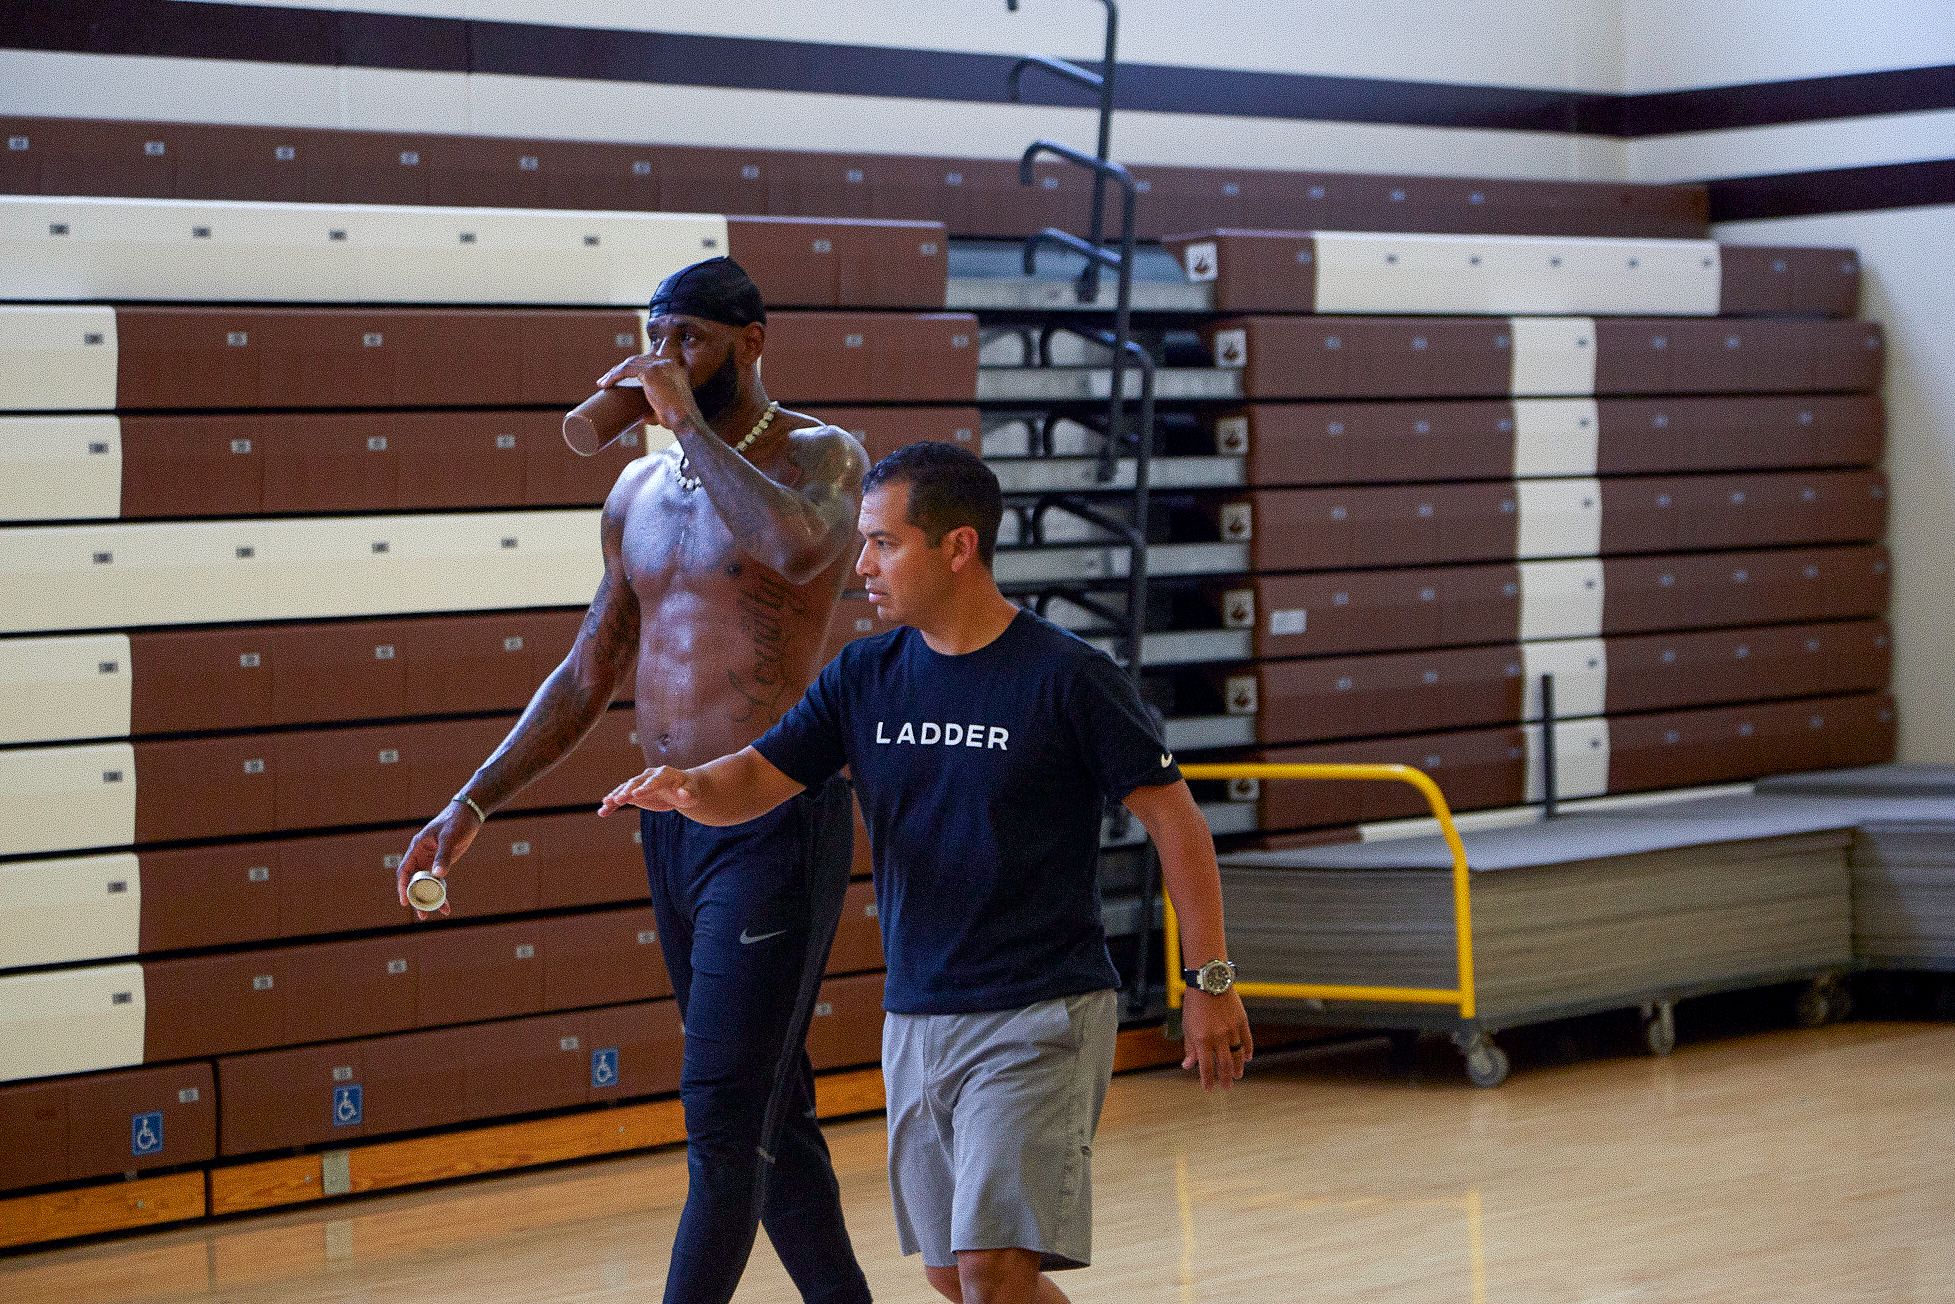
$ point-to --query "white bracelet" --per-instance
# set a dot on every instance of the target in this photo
(469, 802)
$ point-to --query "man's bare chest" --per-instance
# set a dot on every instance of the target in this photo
(680, 556)
(673, 534)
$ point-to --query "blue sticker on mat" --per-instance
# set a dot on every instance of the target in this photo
(349, 1106)
(604, 1067)
(146, 1134)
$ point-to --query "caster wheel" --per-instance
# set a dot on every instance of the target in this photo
(1402, 1051)
(1841, 1001)
(1814, 1007)
(1660, 1030)
(1486, 1064)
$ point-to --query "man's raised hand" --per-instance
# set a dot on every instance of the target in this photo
(668, 390)
(662, 787)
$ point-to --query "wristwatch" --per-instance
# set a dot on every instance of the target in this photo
(1215, 977)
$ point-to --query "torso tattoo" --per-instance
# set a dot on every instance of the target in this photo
(725, 643)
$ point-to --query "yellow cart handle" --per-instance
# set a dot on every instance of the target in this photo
(1460, 996)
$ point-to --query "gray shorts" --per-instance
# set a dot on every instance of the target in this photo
(991, 1122)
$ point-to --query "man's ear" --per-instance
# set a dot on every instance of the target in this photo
(751, 343)
(963, 541)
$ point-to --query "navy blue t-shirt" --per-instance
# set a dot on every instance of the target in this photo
(982, 778)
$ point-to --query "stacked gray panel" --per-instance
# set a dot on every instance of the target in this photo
(1612, 909)
(1904, 893)
(1552, 938)
(1902, 780)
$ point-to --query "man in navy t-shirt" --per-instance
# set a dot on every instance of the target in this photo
(984, 741)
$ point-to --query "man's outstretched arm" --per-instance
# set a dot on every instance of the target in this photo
(564, 709)
(730, 790)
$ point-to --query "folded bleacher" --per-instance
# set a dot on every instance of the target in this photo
(265, 394)
(972, 196)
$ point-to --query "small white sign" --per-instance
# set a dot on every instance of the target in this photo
(1239, 609)
(1232, 348)
(1289, 621)
(1232, 435)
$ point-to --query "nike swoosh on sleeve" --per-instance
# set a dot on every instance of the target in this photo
(745, 940)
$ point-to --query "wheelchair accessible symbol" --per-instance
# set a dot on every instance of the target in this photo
(604, 1067)
(349, 1106)
(145, 1134)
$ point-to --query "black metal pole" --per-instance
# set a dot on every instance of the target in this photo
(1102, 86)
(1121, 343)
(1096, 227)
(1549, 770)
(1122, 326)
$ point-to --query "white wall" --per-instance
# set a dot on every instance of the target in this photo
(1679, 44)
(1564, 45)
(1558, 44)
(1683, 43)
(186, 90)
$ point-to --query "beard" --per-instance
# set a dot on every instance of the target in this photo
(716, 393)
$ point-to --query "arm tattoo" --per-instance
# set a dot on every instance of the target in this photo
(798, 533)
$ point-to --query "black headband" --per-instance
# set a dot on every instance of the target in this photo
(718, 289)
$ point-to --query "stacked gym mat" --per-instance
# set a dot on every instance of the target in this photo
(1605, 909)
(1903, 863)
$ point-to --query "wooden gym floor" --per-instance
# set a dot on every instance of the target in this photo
(1762, 1165)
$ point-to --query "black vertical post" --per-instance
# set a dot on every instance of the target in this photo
(1096, 226)
(1101, 84)
(1126, 352)
(1549, 770)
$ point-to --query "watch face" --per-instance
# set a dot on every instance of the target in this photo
(1216, 978)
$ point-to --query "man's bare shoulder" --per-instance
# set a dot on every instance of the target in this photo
(631, 480)
(829, 454)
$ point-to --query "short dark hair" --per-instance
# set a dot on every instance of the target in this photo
(949, 487)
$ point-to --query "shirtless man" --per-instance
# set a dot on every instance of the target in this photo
(723, 559)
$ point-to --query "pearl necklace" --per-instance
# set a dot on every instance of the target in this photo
(689, 482)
